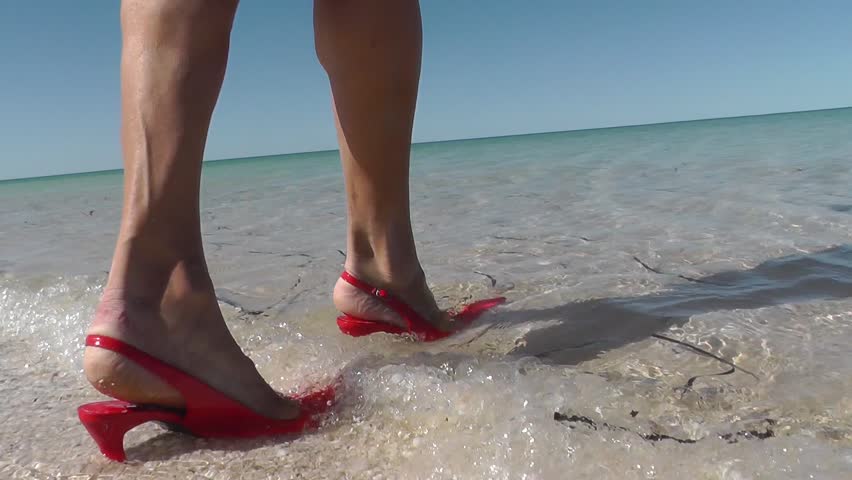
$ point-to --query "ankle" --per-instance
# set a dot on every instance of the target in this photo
(383, 252)
(148, 270)
(176, 310)
(385, 273)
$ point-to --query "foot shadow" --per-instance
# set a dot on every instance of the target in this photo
(584, 330)
(170, 444)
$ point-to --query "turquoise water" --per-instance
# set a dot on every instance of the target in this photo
(732, 235)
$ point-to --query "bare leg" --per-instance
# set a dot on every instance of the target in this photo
(371, 50)
(159, 296)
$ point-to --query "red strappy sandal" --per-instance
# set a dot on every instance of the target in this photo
(208, 412)
(417, 326)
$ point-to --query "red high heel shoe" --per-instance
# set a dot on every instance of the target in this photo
(208, 412)
(417, 326)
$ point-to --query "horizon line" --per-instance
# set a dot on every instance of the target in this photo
(552, 132)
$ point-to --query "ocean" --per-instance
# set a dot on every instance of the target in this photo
(680, 306)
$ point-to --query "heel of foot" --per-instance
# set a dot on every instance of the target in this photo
(357, 303)
(114, 375)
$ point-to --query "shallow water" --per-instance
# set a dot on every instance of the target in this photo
(732, 235)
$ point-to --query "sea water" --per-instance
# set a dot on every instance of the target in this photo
(733, 236)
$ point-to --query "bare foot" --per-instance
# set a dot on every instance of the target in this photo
(411, 289)
(199, 344)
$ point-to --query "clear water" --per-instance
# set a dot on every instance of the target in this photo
(746, 224)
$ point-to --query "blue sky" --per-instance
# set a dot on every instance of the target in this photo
(489, 68)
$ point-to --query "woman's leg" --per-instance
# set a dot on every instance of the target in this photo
(159, 296)
(371, 51)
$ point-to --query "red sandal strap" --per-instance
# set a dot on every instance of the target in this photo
(416, 324)
(195, 392)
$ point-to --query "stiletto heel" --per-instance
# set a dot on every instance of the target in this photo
(208, 412)
(416, 325)
(107, 422)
